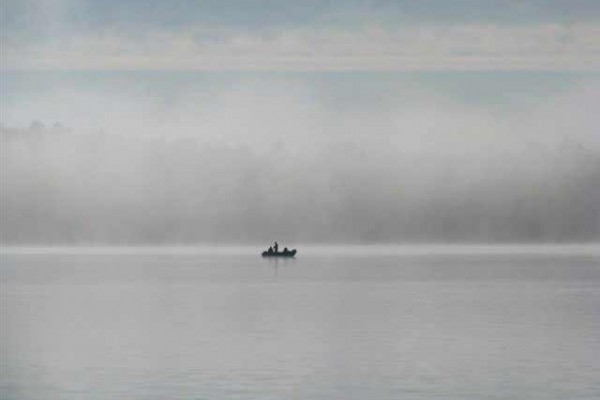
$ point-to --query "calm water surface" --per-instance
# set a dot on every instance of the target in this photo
(327, 325)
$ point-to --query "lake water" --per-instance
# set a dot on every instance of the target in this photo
(334, 323)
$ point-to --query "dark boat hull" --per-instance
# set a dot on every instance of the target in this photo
(288, 254)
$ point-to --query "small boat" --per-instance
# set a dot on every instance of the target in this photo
(288, 253)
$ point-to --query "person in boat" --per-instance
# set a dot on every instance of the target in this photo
(285, 250)
(275, 247)
(270, 251)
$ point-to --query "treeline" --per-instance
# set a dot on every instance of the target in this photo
(65, 187)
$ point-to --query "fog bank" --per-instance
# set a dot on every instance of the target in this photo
(254, 163)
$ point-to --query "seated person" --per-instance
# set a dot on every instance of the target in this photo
(270, 251)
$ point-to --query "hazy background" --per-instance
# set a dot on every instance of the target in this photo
(142, 123)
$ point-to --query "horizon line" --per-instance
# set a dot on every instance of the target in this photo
(571, 248)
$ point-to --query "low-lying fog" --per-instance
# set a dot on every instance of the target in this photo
(300, 159)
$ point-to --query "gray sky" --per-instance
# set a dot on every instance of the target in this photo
(372, 121)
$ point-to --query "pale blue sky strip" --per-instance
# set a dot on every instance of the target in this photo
(303, 35)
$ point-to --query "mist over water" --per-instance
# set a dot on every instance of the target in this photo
(299, 157)
(435, 164)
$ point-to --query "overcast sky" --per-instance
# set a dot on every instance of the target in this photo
(303, 35)
(385, 120)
